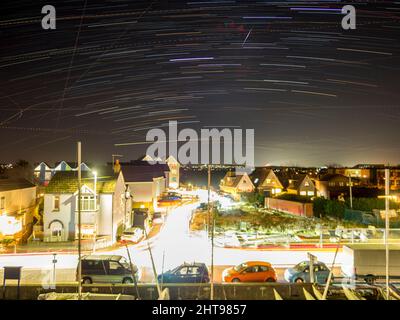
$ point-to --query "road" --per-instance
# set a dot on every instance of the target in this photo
(172, 246)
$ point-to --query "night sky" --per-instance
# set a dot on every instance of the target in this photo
(314, 93)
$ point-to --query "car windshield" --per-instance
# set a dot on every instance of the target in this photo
(301, 266)
(240, 267)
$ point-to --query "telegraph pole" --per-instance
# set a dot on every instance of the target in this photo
(387, 191)
(79, 223)
(211, 227)
(351, 193)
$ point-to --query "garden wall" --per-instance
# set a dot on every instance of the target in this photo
(293, 207)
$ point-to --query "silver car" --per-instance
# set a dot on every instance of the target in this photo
(107, 269)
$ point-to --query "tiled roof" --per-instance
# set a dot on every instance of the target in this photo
(67, 182)
(15, 184)
(232, 179)
(142, 173)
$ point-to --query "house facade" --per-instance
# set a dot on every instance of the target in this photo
(302, 185)
(105, 206)
(266, 181)
(146, 182)
(236, 183)
(17, 208)
(330, 186)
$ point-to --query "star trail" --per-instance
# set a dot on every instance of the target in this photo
(111, 70)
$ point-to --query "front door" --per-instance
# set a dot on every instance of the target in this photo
(56, 231)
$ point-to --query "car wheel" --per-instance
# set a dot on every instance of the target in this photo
(235, 280)
(299, 280)
(127, 280)
(370, 279)
(87, 281)
(270, 280)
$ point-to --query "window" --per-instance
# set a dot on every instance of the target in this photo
(263, 269)
(194, 270)
(56, 233)
(341, 183)
(2, 203)
(252, 269)
(268, 180)
(306, 184)
(87, 203)
(56, 203)
(115, 268)
(182, 271)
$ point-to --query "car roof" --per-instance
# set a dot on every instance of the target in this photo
(193, 264)
(256, 263)
(102, 257)
(315, 263)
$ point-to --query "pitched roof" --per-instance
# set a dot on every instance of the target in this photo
(15, 184)
(232, 179)
(67, 182)
(296, 181)
(142, 173)
(261, 173)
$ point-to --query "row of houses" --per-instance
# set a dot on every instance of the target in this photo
(270, 182)
(110, 195)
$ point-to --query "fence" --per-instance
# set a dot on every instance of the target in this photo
(293, 207)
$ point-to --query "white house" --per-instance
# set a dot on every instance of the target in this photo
(105, 206)
(236, 183)
(146, 183)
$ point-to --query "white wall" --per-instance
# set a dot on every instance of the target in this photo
(141, 191)
(105, 215)
(66, 215)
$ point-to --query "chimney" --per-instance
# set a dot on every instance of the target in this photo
(117, 166)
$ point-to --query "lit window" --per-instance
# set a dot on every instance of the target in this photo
(306, 184)
(87, 203)
(2, 203)
(56, 203)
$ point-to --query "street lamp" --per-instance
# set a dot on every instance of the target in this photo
(95, 210)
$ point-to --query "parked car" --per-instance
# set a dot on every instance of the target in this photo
(301, 272)
(132, 235)
(251, 271)
(186, 273)
(107, 269)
